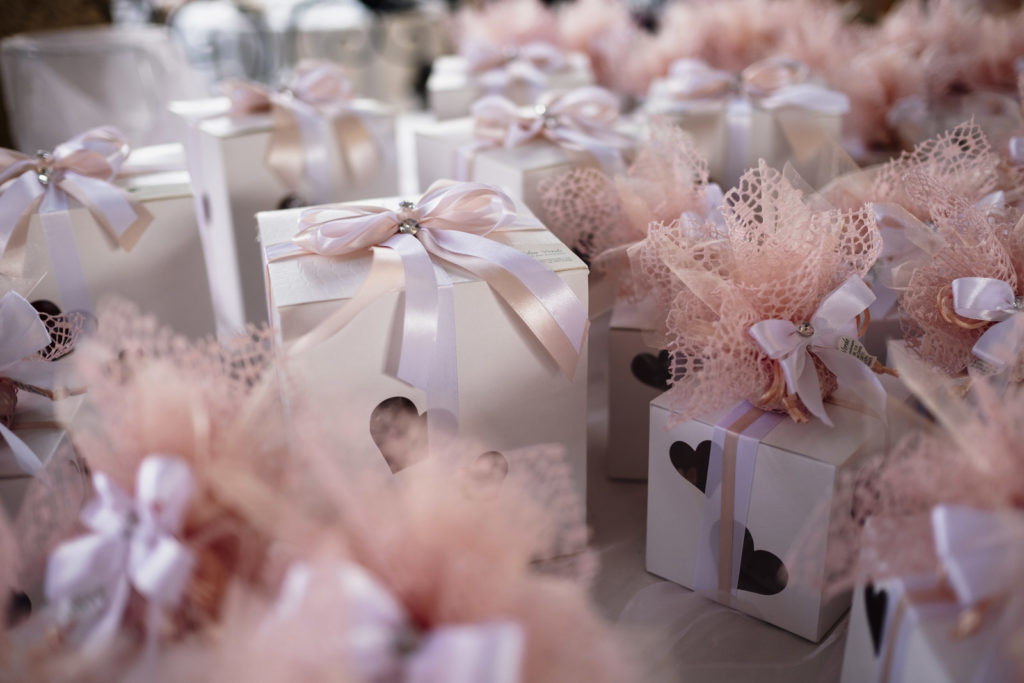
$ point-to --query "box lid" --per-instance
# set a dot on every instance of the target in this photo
(211, 116)
(313, 278)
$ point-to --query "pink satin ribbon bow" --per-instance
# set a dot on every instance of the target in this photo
(693, 79)
(778, 82)
(22, 335)
(131, 545)
(824, 335)
(581, 119)
(380, 642)
(82, 168)
(315, 106)
(497, 68)
(985, 298)
(448, 224)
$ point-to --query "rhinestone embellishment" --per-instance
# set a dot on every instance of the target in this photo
(410, 226)
(44, 162)
(805, 329)
(1018, 303)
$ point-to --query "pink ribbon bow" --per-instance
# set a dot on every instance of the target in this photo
(693, 79)
(312, 114)
(132, 544)
(831, 335)
(778, 82)
(497, 68)
(82, 168)
(985, 298)
(449, 224)
(381, 643)
(581, 119)
(22, 335)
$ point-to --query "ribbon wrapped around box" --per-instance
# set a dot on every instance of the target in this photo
(335, 290)
(519, 73)
(518, 148)
(259, 149)
(755, 480)
(954, 624)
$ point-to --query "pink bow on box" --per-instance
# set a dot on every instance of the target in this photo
(82, 168)
(131, 545)
(498, 68)
(381, 643)
(313, 114)
(449, 225)
(581, 119)
(985, 298)
(831, 335)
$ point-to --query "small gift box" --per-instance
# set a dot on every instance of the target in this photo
(952, 624)
(494, 345)
(793, 119)
(696, 98)
(731, 494)
(637, 374)
(409, 42)
(92, 219)
(518, 149)
(261, 150)
(519, 73)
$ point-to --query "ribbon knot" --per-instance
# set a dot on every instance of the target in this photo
(381, 643)
(132, 544)
(449, 224)
(694, 79)
(831, 336)
(989, 299)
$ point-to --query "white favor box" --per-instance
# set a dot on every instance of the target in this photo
(511, 393)
(704, 119)
(164, 273)
(902, 630)
(809, 140)
(452, 88)
(637, 374)
(794, 477)
(410, 42)
(519, 171)
(239, 184)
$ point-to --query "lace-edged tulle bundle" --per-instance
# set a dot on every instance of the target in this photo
(775, 257)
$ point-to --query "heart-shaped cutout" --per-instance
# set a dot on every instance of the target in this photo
(400, 432)
(761, 572)
(876, 602)
(654, 371)
(291, 201)
(691, 462)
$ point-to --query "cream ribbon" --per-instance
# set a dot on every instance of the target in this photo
(985, 298)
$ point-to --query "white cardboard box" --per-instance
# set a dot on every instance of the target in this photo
(519, 171)
(164, 273)
(794, 474)
(809, 140)
(452, 89)
(239, 184)
(637, 374)
(901, 630)
(704, 119)
(511, 393)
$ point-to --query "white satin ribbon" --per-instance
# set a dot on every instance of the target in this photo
(22, 335)
(449, 224)
(1015, 147)
(692, 80)
(498, 69)
(985, 298)
(832, 337)
(581, 119)
(382, 644)
(809, 96)
(84, 167)
(982, 551)
(131, 545)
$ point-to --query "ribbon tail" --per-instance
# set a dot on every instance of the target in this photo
(419, 321)
(26, 458)
(103, 631)
(123, 217)
(443, 387)
(16, 207)
(479, 653)
(285, 150)
(802, 380)
(358, 147)
(853, 374)
(1001, 344)
(60, 241)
